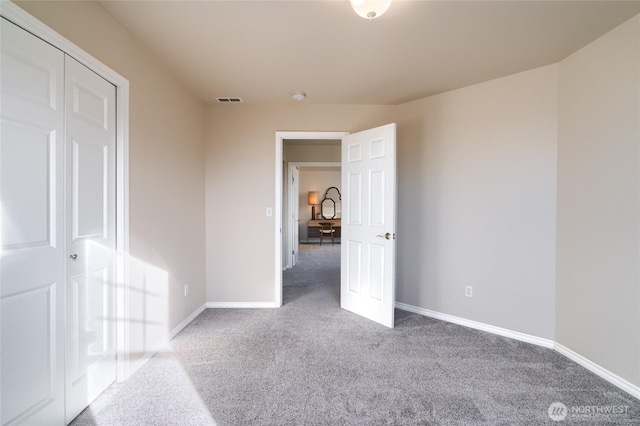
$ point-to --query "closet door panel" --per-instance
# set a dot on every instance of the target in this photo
(31, 235)
(91, 235)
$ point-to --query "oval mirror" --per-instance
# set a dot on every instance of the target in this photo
(328, 208)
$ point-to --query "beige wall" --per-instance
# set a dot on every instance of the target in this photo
(598, 280)
(166, 145)
(476, 202)
(312, 152)
(241, 185)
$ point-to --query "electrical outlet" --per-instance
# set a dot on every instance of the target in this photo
(468, 291)
(186, 289)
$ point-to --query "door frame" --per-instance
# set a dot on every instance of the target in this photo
(279, 179)
(290, 243)
(29, 23)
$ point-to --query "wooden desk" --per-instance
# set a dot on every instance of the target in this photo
(313, 228)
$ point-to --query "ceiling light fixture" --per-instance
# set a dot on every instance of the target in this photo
(298, 96)
(370, 9)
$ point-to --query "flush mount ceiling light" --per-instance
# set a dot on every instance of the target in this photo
(298, 96)
(370, 9)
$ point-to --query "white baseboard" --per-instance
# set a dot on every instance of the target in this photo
(547, 343)
(241, 305)
(135, 365)
(607, 375)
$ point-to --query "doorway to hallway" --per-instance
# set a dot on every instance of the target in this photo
(368, 217)
(299, 140)
(306, 190)
(312, 170)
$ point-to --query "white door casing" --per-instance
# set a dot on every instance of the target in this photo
(295, 219)
(32, 233)
(277, 213)
(367, 285)
(90, 235)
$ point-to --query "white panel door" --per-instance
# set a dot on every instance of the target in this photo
(367, 284)
(295, 191)
(91, 237)
(31, 235)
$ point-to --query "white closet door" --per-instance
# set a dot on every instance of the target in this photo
(91, 235)
(32, 237)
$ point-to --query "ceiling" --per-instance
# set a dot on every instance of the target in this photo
(262, 51)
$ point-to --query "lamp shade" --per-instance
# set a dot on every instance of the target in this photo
(370, 9)
(313, 198)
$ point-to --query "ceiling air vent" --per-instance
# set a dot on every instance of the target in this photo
(229, 100)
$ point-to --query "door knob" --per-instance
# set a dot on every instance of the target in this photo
(73, 256)
(386, 236)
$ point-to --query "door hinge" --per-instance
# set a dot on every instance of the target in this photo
(293, 252)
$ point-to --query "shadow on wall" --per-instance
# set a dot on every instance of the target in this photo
(412, 211)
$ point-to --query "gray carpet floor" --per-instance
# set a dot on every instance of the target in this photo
(311, 363)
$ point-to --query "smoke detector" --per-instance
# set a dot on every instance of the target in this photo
(298, 96)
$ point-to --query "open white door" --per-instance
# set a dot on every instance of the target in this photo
(367, 285)
(295, 219)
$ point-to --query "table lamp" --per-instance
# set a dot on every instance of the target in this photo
(313, 201)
